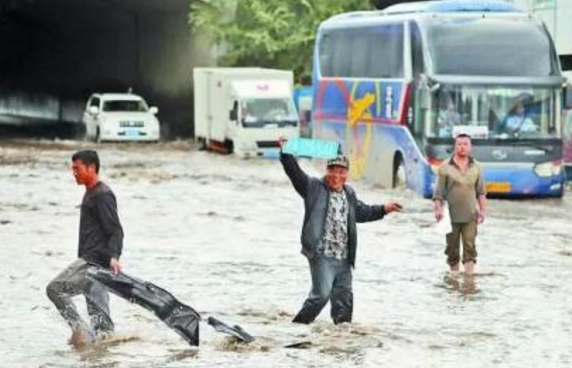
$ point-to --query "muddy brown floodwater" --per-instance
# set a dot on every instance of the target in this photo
(222, 234)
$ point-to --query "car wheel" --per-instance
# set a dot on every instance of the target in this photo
(85, 132)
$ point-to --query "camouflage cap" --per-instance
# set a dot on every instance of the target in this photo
(340, 160)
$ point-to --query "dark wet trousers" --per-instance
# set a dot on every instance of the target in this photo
(331, 281)
(466, 231)
(73, 281)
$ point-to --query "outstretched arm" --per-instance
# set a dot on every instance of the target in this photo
(367, 213)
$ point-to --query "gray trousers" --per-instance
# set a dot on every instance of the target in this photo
(73, 281)
(331, 281)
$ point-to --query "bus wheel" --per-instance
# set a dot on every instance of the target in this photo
(399, 173)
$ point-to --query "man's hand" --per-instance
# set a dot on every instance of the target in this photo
(115, 266)
(481, 214)
(281, 141)
(438, 214)
(392, 207)
(438, 209)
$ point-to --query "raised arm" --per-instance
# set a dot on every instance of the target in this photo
(300, 180)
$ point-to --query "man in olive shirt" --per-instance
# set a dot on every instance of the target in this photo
(100, 244)
(460, 183)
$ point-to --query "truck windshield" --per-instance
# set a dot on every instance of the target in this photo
(493, 112)
(258, 112)
(125, 105)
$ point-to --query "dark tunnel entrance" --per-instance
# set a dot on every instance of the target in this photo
(55, 53)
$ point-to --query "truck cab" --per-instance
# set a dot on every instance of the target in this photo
(244, 110)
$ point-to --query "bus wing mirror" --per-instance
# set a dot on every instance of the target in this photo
(428, 83)
(434, 87)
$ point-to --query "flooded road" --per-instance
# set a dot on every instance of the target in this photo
(222, 235)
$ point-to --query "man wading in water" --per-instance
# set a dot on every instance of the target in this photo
(460, 183)
(329, 235)
(100, 243)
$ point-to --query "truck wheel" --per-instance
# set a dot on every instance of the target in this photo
(229, 145)
(202, 143)
(399, 172)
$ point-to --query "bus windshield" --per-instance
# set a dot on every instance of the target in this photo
(490, 46)
(263, 111)
(493, 112)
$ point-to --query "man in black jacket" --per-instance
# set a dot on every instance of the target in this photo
(329, 235)
(100, 243)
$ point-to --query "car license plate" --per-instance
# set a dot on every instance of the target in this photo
(132, 132)
(499, 187)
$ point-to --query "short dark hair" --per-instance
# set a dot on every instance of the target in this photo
(462, 135)
(88, 157)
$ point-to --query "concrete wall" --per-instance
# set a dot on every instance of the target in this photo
(168, 54)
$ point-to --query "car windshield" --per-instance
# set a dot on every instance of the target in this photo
(125, 105)
(493, 112)
(267, 111)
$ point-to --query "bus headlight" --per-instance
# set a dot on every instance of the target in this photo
(548, 169)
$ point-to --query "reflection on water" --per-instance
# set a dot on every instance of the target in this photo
(222, 234)
(462, 284)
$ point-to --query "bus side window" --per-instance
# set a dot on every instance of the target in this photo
(335, 54)
(359, 55)
(373, 52)
(326, 55)
(386, 57)
(417, 51)
(341, 64)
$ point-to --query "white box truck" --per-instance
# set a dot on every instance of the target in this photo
(244, 110)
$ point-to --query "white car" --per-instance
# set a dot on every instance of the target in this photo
(120, 117)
